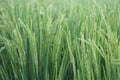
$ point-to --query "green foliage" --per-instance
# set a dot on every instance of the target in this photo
(59, 40)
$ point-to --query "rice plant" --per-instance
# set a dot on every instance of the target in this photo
(59, 40)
